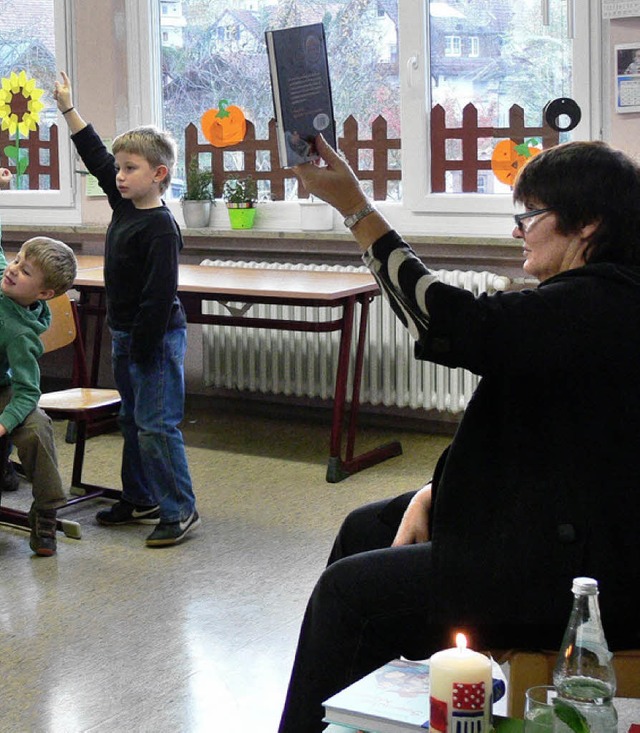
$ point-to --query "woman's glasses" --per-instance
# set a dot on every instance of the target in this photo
(518, 218)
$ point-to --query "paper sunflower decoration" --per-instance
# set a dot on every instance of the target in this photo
(20, 108)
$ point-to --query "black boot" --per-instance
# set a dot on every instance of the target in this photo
(9, 479)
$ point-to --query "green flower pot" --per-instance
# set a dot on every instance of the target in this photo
(241, 217)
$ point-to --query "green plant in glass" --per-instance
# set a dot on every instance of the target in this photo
(240, 192)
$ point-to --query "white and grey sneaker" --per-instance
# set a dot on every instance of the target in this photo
(170, 533)
(123, 512)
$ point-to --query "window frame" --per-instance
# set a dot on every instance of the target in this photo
(420, 212)
(470, 209)
(61, 206)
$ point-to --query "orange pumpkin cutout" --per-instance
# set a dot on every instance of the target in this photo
(224, 126)
(508, 158)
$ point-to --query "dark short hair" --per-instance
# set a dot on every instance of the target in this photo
(585, 183)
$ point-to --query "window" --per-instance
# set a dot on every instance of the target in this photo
(452, 46)
(508, 57)
(33, 39)
(218, 52)
(395, 59)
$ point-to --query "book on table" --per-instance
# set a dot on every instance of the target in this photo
(301, 90)
(392, 699)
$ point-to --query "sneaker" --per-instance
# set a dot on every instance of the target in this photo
(9, 479)
(43, 531)
(123, 512)
(170, 533)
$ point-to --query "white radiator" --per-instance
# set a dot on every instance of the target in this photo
(304, 364)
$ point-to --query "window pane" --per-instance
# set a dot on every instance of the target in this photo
(27, 44)
(214, 50)
(494, 54)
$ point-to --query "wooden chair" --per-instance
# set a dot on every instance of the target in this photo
(80, 404)
(529, 668)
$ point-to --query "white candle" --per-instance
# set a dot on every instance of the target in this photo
(460, 690)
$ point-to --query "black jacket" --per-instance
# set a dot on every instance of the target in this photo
(541, 481)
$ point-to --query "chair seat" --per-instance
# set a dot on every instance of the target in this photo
(79, 399)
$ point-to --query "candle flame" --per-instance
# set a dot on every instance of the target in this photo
(461, 641)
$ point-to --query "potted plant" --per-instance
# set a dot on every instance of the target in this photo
(240, 195)
(198, 195)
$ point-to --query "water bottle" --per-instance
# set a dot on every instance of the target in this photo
(584, 676)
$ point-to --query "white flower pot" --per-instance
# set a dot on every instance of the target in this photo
(196, 214)
(315, 216)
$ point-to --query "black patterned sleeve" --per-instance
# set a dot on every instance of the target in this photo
(403, 279)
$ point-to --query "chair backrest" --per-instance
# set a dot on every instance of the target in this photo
(62, 331)
(65, 331)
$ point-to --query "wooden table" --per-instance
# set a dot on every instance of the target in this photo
(339, 290)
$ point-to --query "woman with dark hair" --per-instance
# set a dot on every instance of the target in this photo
(539, 484)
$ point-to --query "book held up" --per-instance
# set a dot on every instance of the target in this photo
(301, 90)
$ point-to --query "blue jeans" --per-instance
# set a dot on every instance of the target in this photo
(154, 461)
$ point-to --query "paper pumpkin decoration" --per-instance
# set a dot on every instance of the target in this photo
(224, 126)
(508, 158)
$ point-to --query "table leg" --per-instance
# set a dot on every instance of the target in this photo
(339, 469)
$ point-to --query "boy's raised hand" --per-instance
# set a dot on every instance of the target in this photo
(62, 93)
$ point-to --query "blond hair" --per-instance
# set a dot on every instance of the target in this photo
(56, 261)
(156, 146)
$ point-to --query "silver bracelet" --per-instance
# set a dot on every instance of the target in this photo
(351, 220)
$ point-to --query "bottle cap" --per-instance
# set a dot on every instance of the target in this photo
(585, 586)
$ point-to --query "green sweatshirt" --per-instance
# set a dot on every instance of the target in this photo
(20, 349)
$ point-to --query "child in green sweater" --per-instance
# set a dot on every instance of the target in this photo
(42, 269)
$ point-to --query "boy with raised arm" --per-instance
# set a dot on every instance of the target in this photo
(147, 322)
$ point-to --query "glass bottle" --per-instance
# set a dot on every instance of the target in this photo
(584, 676)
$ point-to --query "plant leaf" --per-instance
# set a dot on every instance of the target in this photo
(571, 716)
(11, 151)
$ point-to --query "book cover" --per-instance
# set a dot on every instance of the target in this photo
(301, 91)
(392, 699)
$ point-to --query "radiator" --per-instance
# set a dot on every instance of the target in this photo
(304, 364)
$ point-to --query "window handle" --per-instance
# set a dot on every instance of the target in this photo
(412, 67)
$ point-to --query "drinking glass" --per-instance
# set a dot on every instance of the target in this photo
(539, 716)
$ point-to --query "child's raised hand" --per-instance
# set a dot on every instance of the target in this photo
(62, 92)
(5, 177)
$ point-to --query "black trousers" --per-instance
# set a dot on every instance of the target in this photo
(369, 606)
(372, 604)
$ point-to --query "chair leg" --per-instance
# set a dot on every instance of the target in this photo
(84, 491)
(20, 520)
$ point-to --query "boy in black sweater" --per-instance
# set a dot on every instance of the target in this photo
(147, 322)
